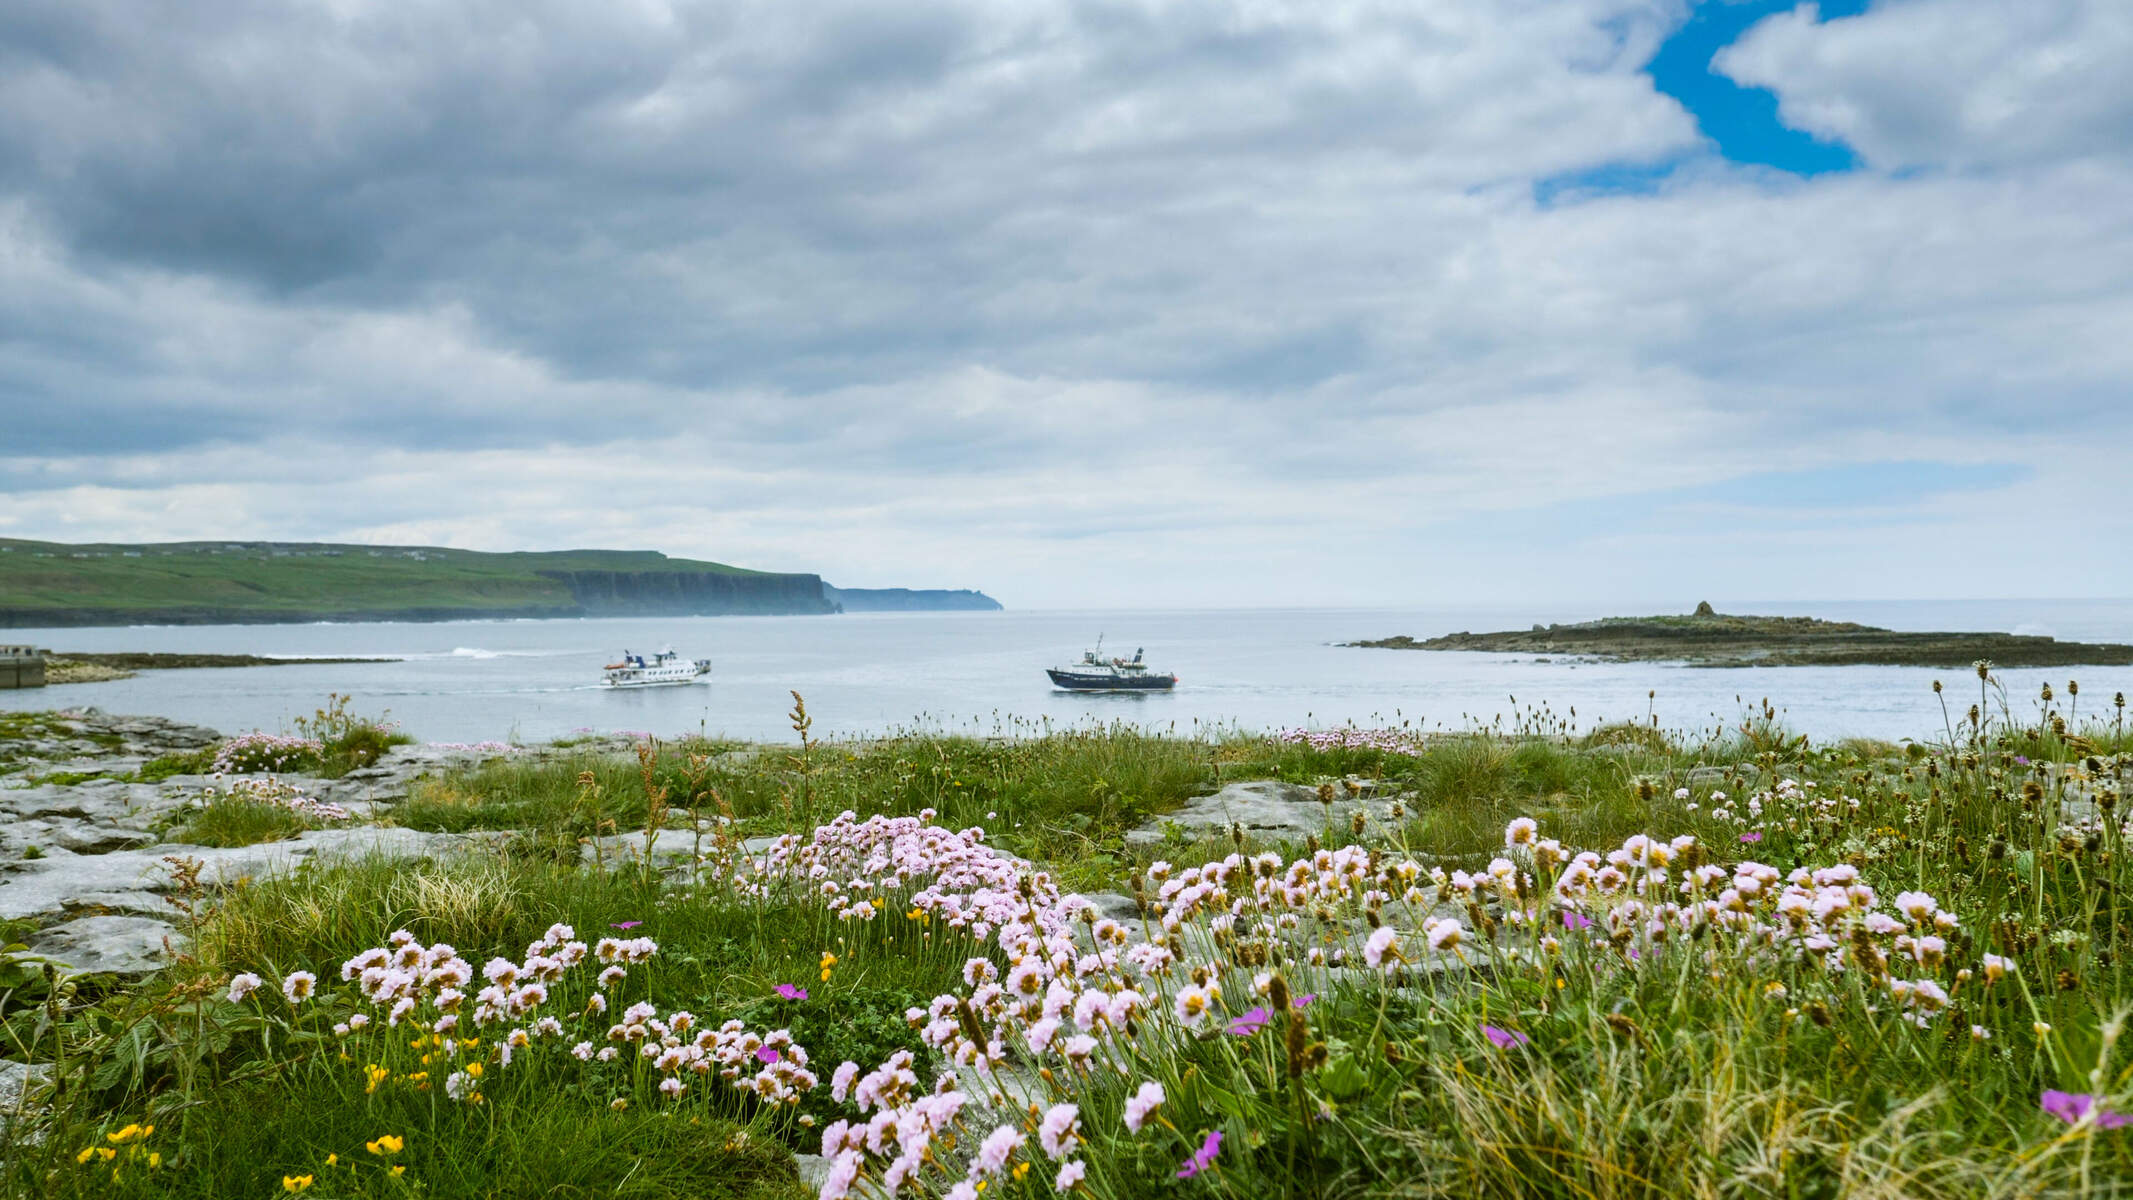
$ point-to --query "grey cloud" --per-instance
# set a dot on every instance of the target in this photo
(791, 195)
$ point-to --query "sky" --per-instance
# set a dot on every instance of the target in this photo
(1130, 303)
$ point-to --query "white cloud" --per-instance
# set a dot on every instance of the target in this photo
(1951, 83)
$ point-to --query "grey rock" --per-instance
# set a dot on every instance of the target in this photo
(1116, 905)
(1267, 807)
(108, 945)
(62, 881)
(150, 903)
(16, 1080)
(813, 1169)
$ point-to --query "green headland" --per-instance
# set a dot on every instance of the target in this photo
(46, 584)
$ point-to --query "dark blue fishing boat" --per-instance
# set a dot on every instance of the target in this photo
(1095, 673)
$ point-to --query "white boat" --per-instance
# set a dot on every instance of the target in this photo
(655, 670)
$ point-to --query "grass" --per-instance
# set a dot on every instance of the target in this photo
(228, 820)
(1530, 1058)
(179, 762)
(1066, 797)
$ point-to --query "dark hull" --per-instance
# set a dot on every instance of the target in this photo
(1110, 683)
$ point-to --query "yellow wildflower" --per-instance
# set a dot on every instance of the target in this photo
(375, 1075)
(88, 1152)
(386, 1144)
(295, 1183)
(474, 1070)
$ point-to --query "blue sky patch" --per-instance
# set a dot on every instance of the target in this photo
(1742, 123)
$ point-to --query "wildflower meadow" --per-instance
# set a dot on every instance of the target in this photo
(1562, 963)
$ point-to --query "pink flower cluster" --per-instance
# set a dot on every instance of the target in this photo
(857, 867)
(275, 793)
(1347, 737)
(257, 751)
(425, 988)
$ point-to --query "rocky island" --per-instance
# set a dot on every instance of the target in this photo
(1707, 638)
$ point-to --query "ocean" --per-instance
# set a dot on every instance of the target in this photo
(983, 673)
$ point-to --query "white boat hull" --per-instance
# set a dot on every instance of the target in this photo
(643, 683)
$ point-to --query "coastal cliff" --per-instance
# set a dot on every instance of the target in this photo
(691, 593)
(909, 600)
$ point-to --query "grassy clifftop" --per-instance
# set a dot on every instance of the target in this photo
(51, 583)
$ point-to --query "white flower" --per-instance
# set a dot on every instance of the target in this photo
(1520, 831)
(1060, 1131)
(243, 985)
(298, 986)
(1069, 1176)
(1383, 943)
(1444, 933)
(1143, 1104)
(1192, 1004)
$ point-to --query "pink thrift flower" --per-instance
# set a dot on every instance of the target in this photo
(2070, 1107)
(1202, 1158)
(1141, 1104)
(995, 1150)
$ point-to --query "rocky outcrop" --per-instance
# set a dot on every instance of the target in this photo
(83, 859)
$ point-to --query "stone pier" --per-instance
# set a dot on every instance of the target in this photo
(21, 667)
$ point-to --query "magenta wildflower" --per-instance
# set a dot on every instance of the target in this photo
(1253, 1020)
(1202, 1158)
(2070, 1107)
(766, 1054)
(1751, 836)
(790, 992)
(1573, 920)
(1504, 1038)
(1305, 1000)
(626, 924)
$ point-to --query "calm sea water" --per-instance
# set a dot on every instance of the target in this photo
(870, 673)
